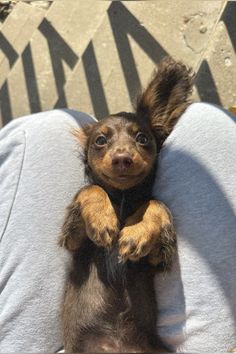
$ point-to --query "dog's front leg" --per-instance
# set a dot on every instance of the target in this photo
(90, 214)
(149, 231)
(73, 230)
(99, 216)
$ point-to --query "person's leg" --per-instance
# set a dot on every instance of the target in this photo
(39, 173)
(196, 179)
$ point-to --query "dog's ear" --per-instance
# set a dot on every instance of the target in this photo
(166, 97)
(82, 135)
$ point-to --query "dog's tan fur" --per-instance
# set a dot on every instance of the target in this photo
(117, 233)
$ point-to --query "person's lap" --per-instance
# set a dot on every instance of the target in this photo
(40, 172)
(196, 179)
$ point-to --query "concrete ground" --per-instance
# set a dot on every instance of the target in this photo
(95, 56)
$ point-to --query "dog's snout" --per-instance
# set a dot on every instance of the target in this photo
(122, 160)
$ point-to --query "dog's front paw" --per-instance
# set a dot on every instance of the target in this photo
(135, 242)
(149, 231)
(99, 216)
(103, 228)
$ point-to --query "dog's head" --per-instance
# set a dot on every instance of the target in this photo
(121, 150)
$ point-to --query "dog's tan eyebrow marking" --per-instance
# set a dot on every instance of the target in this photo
(105, 130)
(134, 129)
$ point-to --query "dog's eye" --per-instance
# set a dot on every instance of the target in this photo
(101, 140)
(142, 139)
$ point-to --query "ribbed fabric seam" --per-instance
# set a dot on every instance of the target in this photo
(17, 186)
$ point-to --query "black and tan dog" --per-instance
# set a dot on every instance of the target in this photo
(117, 233)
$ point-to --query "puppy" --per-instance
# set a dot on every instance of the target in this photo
(118, 235)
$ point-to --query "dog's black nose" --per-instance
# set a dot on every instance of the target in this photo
(122, 160)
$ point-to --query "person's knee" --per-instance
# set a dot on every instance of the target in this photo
(45, 124)
(55, 122)
(199, 122)
(207, 114)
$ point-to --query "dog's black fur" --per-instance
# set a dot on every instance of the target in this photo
(117, 234)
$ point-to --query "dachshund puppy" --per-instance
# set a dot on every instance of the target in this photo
(118, 235)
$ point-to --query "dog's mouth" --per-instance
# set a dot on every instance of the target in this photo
(124, 180)
(123, 176)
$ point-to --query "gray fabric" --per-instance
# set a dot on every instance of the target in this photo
(197, 180)
(40, 172)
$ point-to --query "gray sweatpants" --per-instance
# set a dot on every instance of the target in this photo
(40, 170)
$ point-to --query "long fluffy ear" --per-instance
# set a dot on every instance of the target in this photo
(166, 97)
(82, 134)
(82, 137)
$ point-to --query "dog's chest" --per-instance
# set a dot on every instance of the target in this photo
(127, 203)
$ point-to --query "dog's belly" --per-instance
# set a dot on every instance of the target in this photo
(109, 306)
